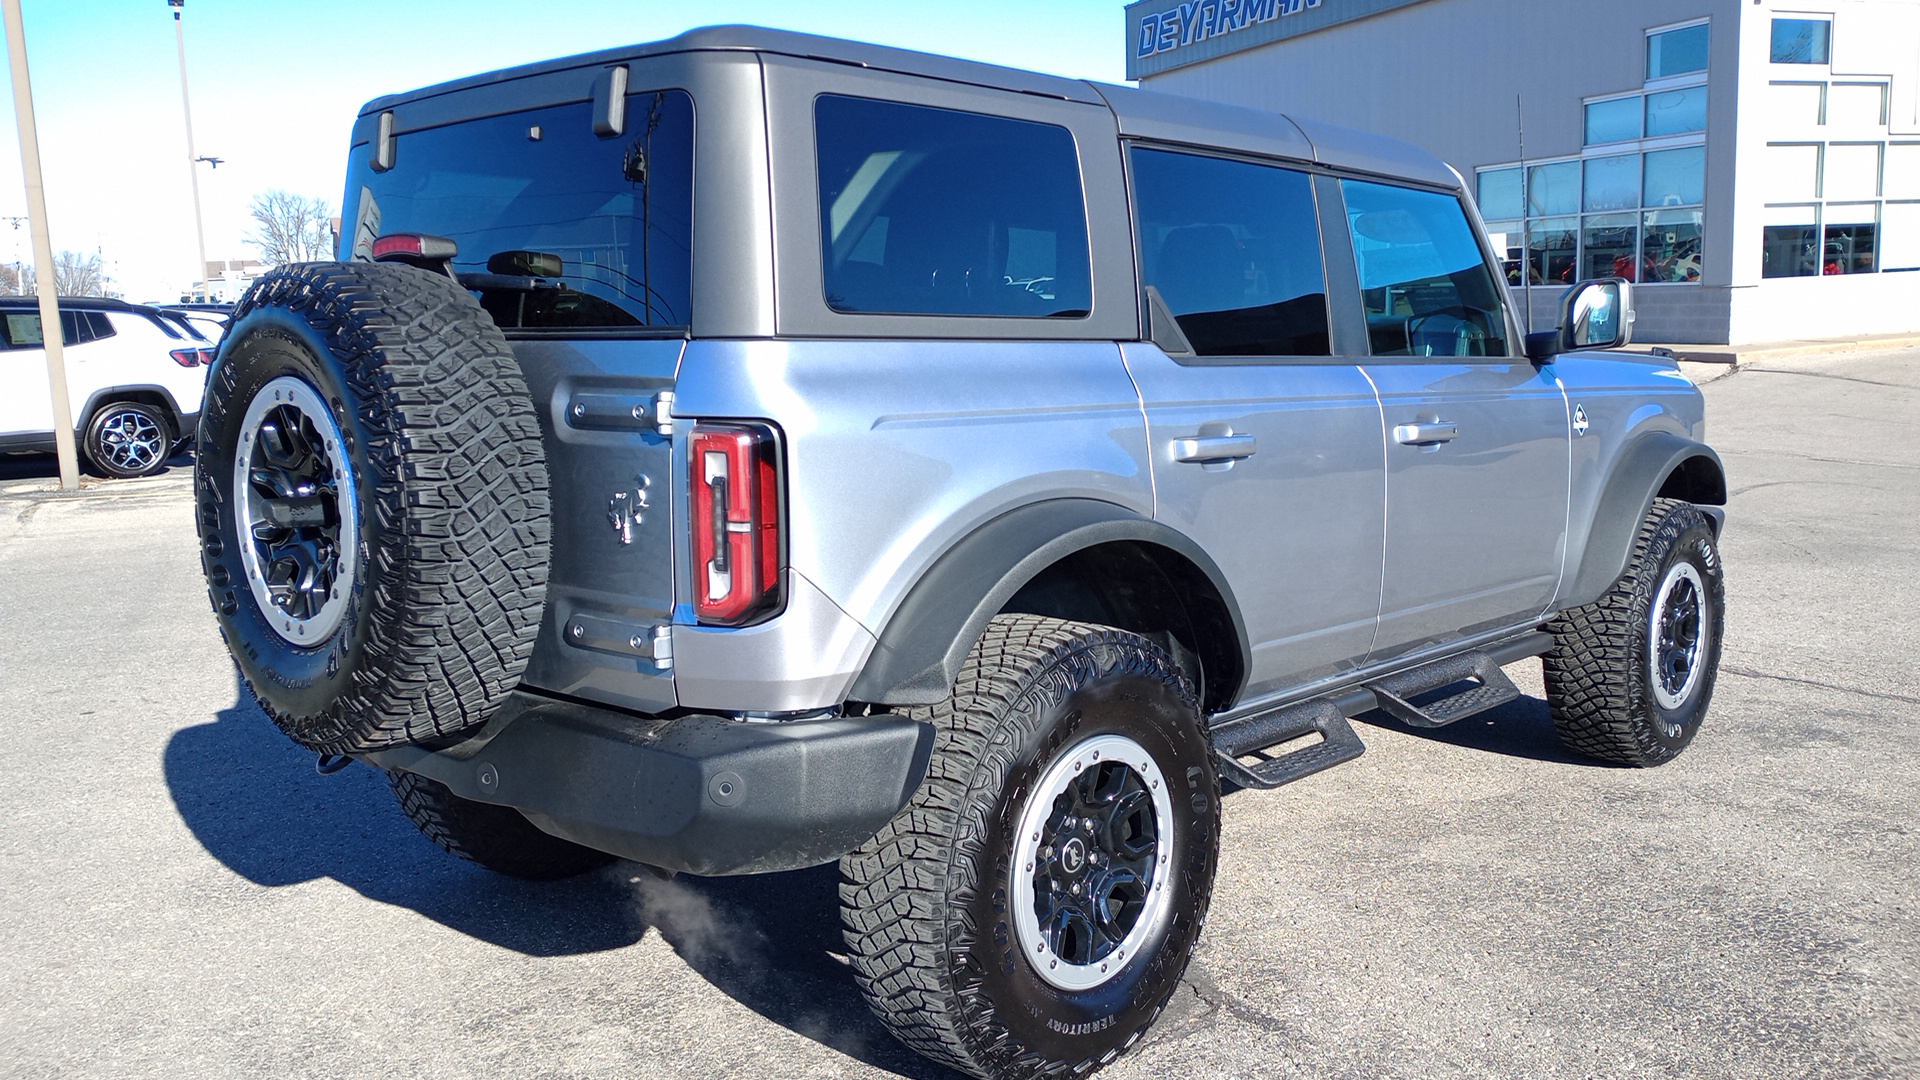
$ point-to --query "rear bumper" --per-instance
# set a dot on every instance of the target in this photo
(701, 794)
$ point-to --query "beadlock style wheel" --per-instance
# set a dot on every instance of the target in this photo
(1678, 633)
(1090, 862)
(293, 481)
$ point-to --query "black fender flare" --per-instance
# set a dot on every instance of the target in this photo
(1637, 478)
(919, 653)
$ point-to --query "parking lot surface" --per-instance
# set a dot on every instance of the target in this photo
(185, 895)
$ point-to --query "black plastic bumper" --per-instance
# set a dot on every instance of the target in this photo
(702, 794)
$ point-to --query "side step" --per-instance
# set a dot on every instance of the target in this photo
(1240, 738)
(1490, 688)
(1326, 716)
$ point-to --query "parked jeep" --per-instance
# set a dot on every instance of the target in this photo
(752, 450)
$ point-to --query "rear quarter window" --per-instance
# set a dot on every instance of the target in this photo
(927, 211)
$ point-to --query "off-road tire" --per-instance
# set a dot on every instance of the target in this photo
(112, 450)
(443, 587)
(925, 904)
(499, 838)
(1599, 674)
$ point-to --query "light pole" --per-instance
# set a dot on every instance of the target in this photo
(193, 160)
(50, 334)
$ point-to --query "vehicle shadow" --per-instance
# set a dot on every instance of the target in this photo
(1522, 728)
(772, 942)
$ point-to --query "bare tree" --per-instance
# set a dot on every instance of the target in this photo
(291, 228)
(75, 274)
(17, 279)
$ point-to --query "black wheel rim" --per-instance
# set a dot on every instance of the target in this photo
(131, 442)
(1091, 862)
(294, 505)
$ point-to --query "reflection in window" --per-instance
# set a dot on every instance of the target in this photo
(1240, 269)
(1676, 112)
(1613, 183)
(935, 212)
(1505, 238)
(1670, 245)
(1499, 194)
(1607, 243)
(1849, 240)
(1676, 177)
(1677, 52)
(1554, 189)
(1613, 121)
(1551, 244)
(1790, 242)
(1801, 41)
(1424, 279)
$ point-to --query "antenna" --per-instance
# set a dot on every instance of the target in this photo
(1526, 209)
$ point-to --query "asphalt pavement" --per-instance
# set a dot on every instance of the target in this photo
(185, 896)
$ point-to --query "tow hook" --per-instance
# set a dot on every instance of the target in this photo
(328, 764)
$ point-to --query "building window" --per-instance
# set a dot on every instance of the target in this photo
(1669, 246)
(1612, 183)
(1617, 120)
(1677, 112)
(1676, 177)
(1801, 41)
(1554, 189)
(1790, 242)
(1499, 193)
(1680, 51)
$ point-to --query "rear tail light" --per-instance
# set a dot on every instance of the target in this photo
(192, 357)
(735, 522)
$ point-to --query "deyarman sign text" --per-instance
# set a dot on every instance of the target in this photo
(1199, 20)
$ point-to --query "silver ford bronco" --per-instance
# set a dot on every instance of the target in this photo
(751, 450)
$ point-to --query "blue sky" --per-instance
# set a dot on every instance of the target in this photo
(276, 84)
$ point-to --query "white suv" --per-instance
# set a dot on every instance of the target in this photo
(135, 376)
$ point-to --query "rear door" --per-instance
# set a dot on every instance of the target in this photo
(1266, 448)
(1477, 435)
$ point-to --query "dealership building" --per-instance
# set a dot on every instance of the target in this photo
(1753, 164)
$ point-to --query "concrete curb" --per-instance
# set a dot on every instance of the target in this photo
(1738, 355)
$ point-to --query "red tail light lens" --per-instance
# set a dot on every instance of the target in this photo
(734, 482)
(192, 357)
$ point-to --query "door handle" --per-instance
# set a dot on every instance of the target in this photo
(1427, 433)
(1205, 448)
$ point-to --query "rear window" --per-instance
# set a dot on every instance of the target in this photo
(558, 228)
(929, 211)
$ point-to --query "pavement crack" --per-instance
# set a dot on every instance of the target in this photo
(1748, 673)
(1834, 460)
(1829, 375)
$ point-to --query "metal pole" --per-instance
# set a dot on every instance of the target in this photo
(193, 161)
(42, 248)
(1526, 210)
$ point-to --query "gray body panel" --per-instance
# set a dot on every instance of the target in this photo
(1287, 525)
(1338, 551)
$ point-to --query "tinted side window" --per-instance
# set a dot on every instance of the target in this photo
(23, 330)
(1234, 250)
(935, 212)
(1424, 280)
(102, 326)
(557, 227)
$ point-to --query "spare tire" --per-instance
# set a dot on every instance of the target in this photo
(371, 495)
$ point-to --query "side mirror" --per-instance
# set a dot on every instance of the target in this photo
(1595, 314)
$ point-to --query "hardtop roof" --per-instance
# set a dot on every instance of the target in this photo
(1141, 113)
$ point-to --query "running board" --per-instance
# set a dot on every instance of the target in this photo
(1488, 688)
(1326, 716)
(1253, 735)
